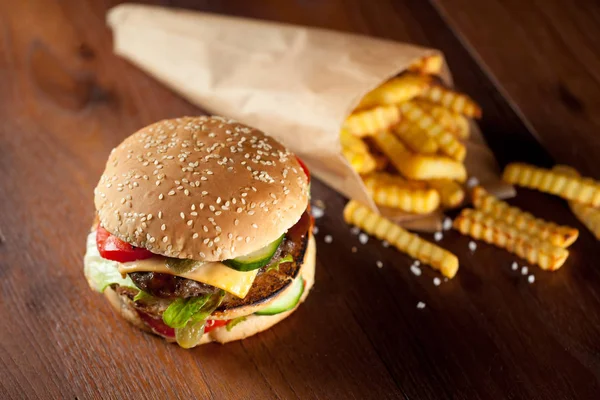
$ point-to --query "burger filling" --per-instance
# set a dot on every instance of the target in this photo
(176, 298)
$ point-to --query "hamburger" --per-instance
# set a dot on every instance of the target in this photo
(202, 231)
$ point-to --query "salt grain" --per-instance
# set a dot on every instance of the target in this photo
(379, 264)
(514, 266)
(385, 243)
(363, 238)
(531, 279)
(438, 236)
(437, 281)
(524, 271)
(317, 212)
(420, 305)
(415, 270)
(447, 224)
(328, 239)
(472, 182)
(472, 246)
(355, 230)
(315, 230)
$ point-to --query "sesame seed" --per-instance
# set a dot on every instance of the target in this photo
(165, 239)
(182, 215)
(171, 193)
(186, 192)
(195, 236)
(254, 226)
(190, 222)
(219, 200)
(205, 228)
(161, 196)
(163, 227)
(160, 214)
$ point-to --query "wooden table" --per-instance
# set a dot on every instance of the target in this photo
(66, 100)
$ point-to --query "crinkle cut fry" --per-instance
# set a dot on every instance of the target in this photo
(374, 224)
(457, 102)
(362, 163)
(482, 226)
(368, 122)
(395, 91)
(448, 143)
(582, 190)
(428, 65)
(414, 138)
(451, 193)
(561, 236)
(589, 216)
(418, 201)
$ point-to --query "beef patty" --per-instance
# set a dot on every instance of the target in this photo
(268, 283)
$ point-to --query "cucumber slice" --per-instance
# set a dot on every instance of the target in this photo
(287, 301)
(256, 259)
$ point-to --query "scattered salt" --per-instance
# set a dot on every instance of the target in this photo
(355, 230)
(524, 271)
(416, 263)
(472, 246)
(317, 212)
(472, 182)
(315, 230)
(438, 236)
(531, 279)
(328, 239)
(415, 270)
(363, 238)
(420, 305)
(437, 281)
(385, 243)
(514, 266)
(447, 224)
(379, 264)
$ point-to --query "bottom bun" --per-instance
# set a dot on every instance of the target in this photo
(252, 325)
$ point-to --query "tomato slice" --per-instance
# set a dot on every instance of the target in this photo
(113, 248)
(304, 168)
(214, 324)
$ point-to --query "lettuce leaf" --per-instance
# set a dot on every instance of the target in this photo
(287, 258)
(100, 272)
(192, 309)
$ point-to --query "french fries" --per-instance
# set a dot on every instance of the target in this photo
(353, 143)
(461, 123)
(451, 193)
(429, 65)
(482, 226)
(448, 144)
(363, 163)
(418, 166)
(415, 139)
(411, 244)
(401, 195)
(365, 123)
(457, 102)
(582, 190)
(561, 236)
(395, 91)
(589, 216)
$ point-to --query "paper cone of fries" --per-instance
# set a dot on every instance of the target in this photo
(297, 84)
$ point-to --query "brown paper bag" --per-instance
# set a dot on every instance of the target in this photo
(297, 84)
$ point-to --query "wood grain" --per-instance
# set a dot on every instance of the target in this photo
(66, 100)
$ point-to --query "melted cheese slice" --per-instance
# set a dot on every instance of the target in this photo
(215, 274)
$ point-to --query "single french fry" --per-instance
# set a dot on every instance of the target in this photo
(440, 113)
(561, 236)
(463, 130)
(451, 193)
(368, 122)
(363, 163)
(395, 91)
(428, 65)
(378, 179)
(480, 225)
(447, 142)
(414, 138)
(589, 216)
(582, 190)
(440, 259)
(353, 143)
(457, 102)
(402, 196)
(418, 166)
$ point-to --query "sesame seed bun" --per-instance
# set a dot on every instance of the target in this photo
(251, 326)
(202, 188)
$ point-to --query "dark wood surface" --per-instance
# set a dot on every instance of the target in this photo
(66, 100)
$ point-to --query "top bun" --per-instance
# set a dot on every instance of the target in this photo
(203, 188)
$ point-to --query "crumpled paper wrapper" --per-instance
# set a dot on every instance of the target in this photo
(297, 84)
